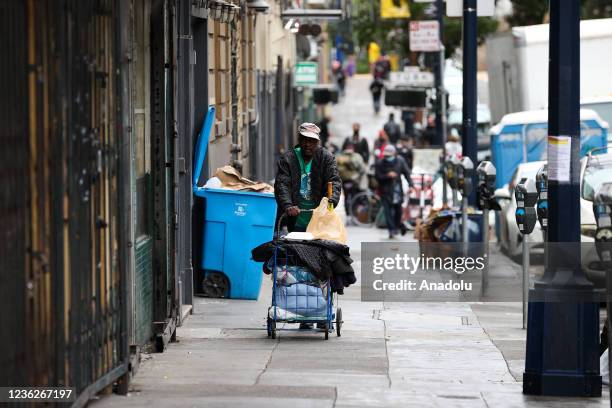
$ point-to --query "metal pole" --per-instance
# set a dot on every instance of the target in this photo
(469, 141)
(559, 361)
(485, 241)
(422, 196)
(525, 277)
(443, 120)
(439, 79)
(464, 225)
(609, 323)
(455, 198)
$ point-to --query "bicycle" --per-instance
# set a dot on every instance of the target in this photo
(365, 208)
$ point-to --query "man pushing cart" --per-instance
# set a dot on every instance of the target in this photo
(304, 280)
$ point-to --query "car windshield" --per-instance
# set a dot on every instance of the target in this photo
(598, 171)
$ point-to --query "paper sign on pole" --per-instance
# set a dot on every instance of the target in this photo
(425, 36)
(559, 158)
(484, 8)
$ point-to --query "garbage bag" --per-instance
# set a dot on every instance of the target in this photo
(326, 223)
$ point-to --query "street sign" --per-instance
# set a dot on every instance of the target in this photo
(306, 73)
(412, 77)
(425, 36)
(484, 8)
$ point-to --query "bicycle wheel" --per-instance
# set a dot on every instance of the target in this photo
(362, 209)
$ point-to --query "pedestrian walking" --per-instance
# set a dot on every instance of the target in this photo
(392, 129)
(302, 176)
(324, 126)
(379, 144)
(339, 76)
(404, 149)
(361, 145)
(376, 88)
(352, 169)
(388, 174)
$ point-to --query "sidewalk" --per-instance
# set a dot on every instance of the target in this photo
(389, 355)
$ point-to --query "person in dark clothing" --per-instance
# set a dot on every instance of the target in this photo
(408, 119)
(388, 174)
(392, 129)
(361, 145)
(339, 76)
(301, 178)
(404, 149)
(376, 88)
(429, 134)
(379, 144)
(323, 125)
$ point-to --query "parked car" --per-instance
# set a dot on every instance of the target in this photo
(595, 168)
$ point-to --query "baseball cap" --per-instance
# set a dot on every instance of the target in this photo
(389, 150)
(309, 130)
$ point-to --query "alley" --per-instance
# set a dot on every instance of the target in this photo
(389, 355)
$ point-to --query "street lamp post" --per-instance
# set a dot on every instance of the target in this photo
(470, 144)
(562, 356)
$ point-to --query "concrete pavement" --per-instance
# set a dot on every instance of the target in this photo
(389, 355)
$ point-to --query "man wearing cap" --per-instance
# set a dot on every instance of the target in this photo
(302, 176)
(389, 170)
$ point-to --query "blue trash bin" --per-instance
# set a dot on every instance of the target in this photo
(234, 223)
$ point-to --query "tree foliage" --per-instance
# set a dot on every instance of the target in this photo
(530, 12)
(393, 35)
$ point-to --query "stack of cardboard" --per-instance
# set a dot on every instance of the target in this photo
(232, 179)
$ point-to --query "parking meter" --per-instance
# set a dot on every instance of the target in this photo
(542, 203)
(526, 195)
(451, 169)
(602, 207)
(486, 190)
(465, 171)
(451, 172)
(487, 174)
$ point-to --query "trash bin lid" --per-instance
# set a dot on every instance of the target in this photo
(202, 145)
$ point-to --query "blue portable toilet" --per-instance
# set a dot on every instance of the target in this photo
(234, 223)
(522, 137)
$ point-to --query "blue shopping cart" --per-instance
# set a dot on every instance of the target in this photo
(298, 296)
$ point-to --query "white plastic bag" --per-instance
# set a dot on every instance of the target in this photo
(326, 223)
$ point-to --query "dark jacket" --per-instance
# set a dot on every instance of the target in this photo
(288, 174)
(393, 130)
(361, 147)
(386, 183)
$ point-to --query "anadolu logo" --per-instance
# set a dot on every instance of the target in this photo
(240, 209)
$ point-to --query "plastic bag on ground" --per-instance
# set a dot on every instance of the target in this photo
(326, 223)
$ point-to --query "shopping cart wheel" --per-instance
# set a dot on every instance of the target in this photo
(273, 329)
(269, 326)
(338, 321)
(327, 333)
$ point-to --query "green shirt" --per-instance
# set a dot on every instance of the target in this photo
(306, 201)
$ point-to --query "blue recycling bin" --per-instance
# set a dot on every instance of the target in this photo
(234, 223)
